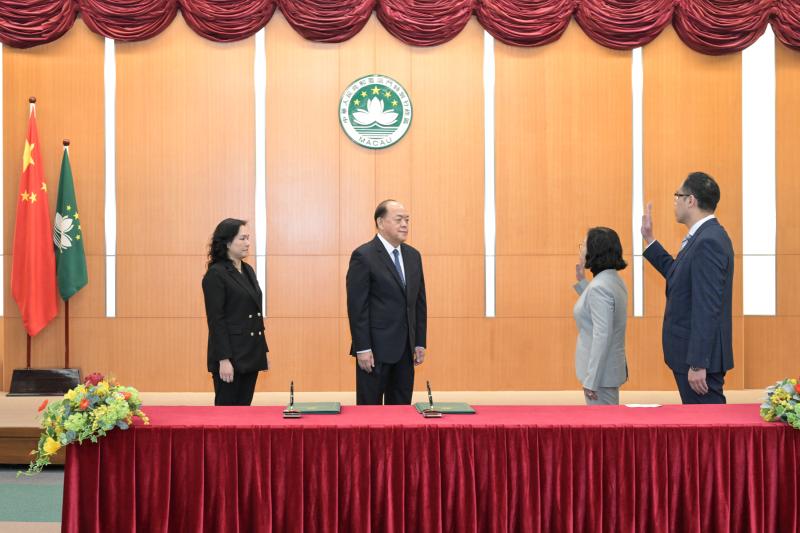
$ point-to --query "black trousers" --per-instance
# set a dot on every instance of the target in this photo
(390, 384)
(714, 394)
(238, 392)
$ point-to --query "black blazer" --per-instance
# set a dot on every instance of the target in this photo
(384, 316)
(698, 328)
(235, 321)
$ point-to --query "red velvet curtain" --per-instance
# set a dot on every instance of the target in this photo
(227, 20)
(716, 27)
(26, 23)
(128, 20)
(525, 22)
(708, 26)
(623, 24)
(424, 22)
(786, 22)
(545, 469)
(327, 21)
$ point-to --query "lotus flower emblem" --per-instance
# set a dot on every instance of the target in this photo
(63, 225)
(375, 113)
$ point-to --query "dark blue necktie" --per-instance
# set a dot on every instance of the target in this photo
(396, 255)
(685, 240)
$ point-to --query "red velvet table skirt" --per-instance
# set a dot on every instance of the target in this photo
(386, 469)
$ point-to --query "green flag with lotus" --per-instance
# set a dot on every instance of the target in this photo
(68, 236)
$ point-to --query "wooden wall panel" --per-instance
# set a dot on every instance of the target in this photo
(545, 285)
(563, 142)
(185, 150)
(460, 355)
(447, 145)
(88, 302)
(302, 143)
(692, 110)
(306, 351)
(787, 131)
(646, 367)
(185, 141)
(356, 163)
(151, 353)
(185, 159)
(788, 290)
(303, 287)
(771, 349)
(66, 77)
(541, 286)
(534, 354)
(345, 367)
(173, 286)
(394, 165)
(771, 342)
(3, 354)
(563, 165)
(454, 285)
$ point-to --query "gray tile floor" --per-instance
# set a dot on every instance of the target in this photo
(30, 503)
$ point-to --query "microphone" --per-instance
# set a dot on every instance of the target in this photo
(290, 411)
(430, 412)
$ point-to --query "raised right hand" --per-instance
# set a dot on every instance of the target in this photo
(580, 271)
(647, 224)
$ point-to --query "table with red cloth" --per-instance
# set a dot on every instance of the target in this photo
(385, 468)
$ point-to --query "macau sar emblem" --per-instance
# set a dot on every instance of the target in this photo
(375, 111)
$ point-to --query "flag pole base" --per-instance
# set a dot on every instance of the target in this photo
(43, 381)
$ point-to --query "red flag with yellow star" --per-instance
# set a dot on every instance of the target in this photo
(33, 271)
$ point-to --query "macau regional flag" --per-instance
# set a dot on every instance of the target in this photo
(67, 235)
(33, 269)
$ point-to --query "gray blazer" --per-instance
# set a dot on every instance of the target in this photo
(601, 315)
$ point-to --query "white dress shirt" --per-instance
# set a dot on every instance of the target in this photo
(390, 250)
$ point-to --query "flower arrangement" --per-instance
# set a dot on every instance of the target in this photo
(88, 411)
(783, 403)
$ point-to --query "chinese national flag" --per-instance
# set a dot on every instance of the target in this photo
(33, 272)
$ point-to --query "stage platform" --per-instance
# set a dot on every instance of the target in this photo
(19, 422)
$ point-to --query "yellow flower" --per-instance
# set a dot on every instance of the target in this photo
(51, 446)
(102, 388)
(70, 395)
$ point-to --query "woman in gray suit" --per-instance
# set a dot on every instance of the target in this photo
(601, 315)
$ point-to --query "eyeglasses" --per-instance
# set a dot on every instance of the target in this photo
(681, 195)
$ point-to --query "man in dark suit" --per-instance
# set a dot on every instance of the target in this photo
(697, 330)
(387, 310)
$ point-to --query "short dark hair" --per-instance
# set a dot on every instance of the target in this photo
(381, 210)
(704, 189)
(223, 235)
(603, 250)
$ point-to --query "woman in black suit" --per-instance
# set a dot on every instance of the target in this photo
(237, 347)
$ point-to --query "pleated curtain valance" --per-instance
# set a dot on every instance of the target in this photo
(707, 26)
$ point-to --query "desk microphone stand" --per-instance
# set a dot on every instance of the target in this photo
(290, 411)
(430, 412)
